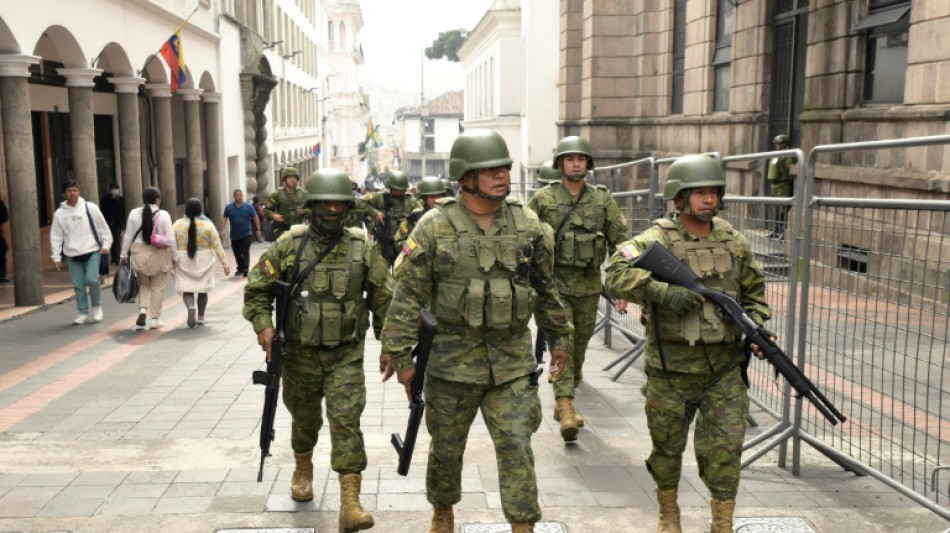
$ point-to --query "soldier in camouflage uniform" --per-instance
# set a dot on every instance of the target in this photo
(285, 207)
(783, 184)
(693, 355)
(431, 189)
(587, 225)
(327, 319)
(481, 262)
(387, 210)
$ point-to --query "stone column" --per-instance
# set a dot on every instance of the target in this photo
(21, 179)
(194, 186)
(217, 182)
(130, 146)
(161, 97)
(82, 130)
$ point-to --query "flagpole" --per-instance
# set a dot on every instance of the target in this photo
(178, 29)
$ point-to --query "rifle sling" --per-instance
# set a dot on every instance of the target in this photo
(298, 276)
(570, 211)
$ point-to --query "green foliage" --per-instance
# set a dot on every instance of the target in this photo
(447, 45)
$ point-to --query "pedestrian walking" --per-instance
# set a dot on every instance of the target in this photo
(431, 189)
(244, 227)
(482, 263)
(80, 233)
(285, 207)
(783, 184)
(112, 205)
(4, 218)
(337, 279)
(386, 210)
(694, 355)
(150, 242)
(588, 225)
(259, 209)
(198, 246)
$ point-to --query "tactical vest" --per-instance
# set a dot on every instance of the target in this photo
(581, 242)
(287, 205)
(477, 287)
(328, 309)
(716, 265)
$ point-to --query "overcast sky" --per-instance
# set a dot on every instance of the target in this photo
(395, 33)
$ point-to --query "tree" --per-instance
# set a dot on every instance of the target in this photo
(447, 45)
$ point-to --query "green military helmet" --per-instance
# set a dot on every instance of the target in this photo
(573, 145)
(329, 184)
(448, 186)
(477, 149)
(430, 185)
(781, 138)
(289, 171)
(690, 172)
(549, 174)
(398, 180)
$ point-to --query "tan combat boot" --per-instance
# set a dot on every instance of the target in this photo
(722, 511)
(578, 419)
(352, 516)
(301, 485)
(443, 520)
(565, 412)
(522, 527)
(669, 515)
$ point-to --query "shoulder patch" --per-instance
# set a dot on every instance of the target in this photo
(628, 251)
(409, 247)
(267, 268)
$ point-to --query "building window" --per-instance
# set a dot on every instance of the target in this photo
(722, 59)
(885, 66)
(331, 31)
(679, 56)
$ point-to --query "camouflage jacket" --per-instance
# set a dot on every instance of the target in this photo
(407, 225)
(399, 208)
(282, 203)
(726, 254)
(429, 267)
(780, 174)
(595, 228)
(277, 264)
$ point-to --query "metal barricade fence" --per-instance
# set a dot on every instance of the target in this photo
(859, 291)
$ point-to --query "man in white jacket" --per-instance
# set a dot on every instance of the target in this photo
(81, 234)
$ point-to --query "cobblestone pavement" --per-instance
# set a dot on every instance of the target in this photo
(107, 430)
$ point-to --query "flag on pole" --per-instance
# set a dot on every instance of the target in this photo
(174, 56)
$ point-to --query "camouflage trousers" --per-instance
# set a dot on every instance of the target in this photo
(582, 312)
(512, 412)
(721, 415)
(308, 380)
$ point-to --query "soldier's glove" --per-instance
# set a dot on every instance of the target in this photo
(681, 300)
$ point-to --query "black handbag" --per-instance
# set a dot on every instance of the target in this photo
(125, 286)
(103, 258)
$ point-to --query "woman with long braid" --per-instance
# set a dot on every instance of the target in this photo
(198, 242)
(148, 240)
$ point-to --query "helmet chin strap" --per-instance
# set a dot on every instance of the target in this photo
(707, 217)
(575, 177)
(478, 192)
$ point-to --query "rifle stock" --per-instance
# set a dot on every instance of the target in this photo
(270, 378)
(664, 266)
(427, 327)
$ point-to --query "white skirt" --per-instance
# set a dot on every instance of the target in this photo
(195, 275)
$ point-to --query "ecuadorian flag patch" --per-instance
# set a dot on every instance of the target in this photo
(267, 268)
(628, 252)
(409, 246)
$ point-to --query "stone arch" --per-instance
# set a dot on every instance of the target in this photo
(8, 43)
(189, 79)
(207, 82)
(154, 69)
(58, 44)
(114, 59)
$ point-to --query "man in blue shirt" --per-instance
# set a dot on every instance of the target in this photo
(242, 217)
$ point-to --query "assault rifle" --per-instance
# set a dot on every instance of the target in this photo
(382, 232)
(539, 343)
(610, 301)
(270, 378)
(427, 327)
(664, 266)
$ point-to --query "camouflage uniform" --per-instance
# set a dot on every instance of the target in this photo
(406, 227)
(396, 208)
(699, 347)
(595, 228)
(783, 186)
(327, 320)
(481, 355)
(283, 203)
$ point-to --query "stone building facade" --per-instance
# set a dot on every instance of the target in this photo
(665, 77)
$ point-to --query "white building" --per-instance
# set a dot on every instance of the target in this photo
(510, 61)
(436, 124)
(347, 108)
